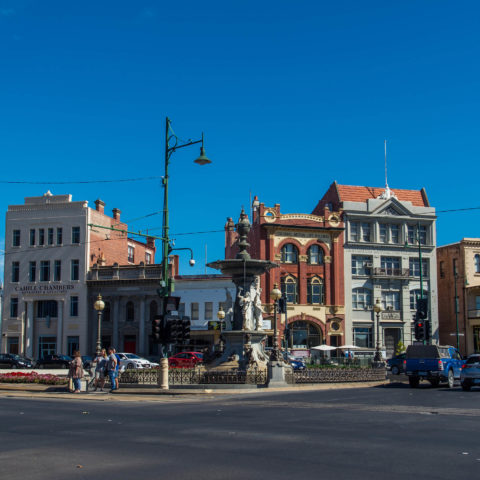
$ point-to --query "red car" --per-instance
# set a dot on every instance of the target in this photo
(185, 359)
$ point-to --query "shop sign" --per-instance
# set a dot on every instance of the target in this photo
(43, 289)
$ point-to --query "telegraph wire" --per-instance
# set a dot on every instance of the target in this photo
(73, 182)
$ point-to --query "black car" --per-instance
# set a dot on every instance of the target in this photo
(11, 360)
(54, 361)
(396, 363)
(87, 361)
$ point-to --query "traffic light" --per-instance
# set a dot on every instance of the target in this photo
(282, 304)
(173, 328)
(186, 329)
(419, 330)
(422, 308)
(157, 329)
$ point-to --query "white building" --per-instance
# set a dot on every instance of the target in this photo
(381, 261)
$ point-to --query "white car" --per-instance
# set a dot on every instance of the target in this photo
(130, 360)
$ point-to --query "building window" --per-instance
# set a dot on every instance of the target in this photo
(390, 265)
(457, 304)
(383, 233)
(59, 236)
(32, 237)
(12, 345)
(305, 334)
(50, 236)
(16, 238)
(361, 298)
(47, 346)
(148, 258)
(131, 254)
(366, 233)
(361, 265)
(315, 291)
(477, 302)
(41, 236)
(14, 307)
(391, 300)
(454, 267)
(289, 288)
(354, 231)
(194, 310)
(181, 310)
(362, 337)
(75, 234)
(73, 344)
(57, 272)
(417, 235)
(414, 295)
(442, 269)
(15, 271)
(130, 311)
(394, 233)
(414, 267)
(289, 253)
(44, 271)
(477, 263)
(32, 272)
(47, 308)
(75, 269)
(106, 312)
(315, 255)
(74, 306)
(208, 310)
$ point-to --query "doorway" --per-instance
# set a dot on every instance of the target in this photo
(130, 344)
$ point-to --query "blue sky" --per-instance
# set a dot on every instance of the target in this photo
(291, 96)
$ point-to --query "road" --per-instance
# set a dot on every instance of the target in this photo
(365, 433)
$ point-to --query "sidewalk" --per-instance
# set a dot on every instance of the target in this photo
(153, 394)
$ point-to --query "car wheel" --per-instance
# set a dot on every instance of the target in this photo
(450, 379)
(395, 370)
(130, 365)
(466, 386)
(413, 382)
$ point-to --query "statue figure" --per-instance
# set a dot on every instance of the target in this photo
(257, 304)
(245, 303)
(228, 306)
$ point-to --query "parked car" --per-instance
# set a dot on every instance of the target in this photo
(435, 363)
(185, 359)
(11, 360)
(297, 364)
(470, 374)
(87, 361)
(395, 364)
(130, 360)
(54, 361)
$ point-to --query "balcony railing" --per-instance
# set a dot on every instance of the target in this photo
(474, 313)
(390, 272)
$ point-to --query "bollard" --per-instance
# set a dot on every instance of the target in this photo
(163, 378)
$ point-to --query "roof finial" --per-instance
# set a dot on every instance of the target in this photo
(387, 194)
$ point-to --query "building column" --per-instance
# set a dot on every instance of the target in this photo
(141, 328)
(29, 330)
(60, 327)
(116, 313)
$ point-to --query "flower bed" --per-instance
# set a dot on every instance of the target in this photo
(32, 377)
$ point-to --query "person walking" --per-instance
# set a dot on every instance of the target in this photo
(76, 371)
(112, 368)
(100, 370)
(117, 374)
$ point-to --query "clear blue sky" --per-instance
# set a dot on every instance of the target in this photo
(291, 96)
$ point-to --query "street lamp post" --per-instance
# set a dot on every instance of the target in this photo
(378, 310)
(99, 305)
(275, 294)
(220, 316)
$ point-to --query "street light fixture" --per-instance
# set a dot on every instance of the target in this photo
(220, 316)
(275, 294)
(378, 309)
(99, 306)
(173, 143)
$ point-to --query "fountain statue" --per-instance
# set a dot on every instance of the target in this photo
(244, 336)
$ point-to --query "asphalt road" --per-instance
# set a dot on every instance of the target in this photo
(367, 433)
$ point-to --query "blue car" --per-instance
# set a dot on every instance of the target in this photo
(297, 364)
(395, 364)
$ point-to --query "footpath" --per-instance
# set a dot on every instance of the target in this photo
(138, 394)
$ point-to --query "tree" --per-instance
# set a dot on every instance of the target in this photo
(400, 348)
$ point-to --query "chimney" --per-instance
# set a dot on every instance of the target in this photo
(150, 242)
(116, 214)
(99, 205)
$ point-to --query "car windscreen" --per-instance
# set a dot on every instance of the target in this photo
(65, 357)
(471, 360)
(132, 356)
(199, 355)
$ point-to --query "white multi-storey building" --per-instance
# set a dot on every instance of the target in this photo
(386, 232)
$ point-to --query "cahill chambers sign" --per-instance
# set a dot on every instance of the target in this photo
(42, 289)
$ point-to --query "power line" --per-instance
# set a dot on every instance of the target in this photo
(458, 210)
(140, 179)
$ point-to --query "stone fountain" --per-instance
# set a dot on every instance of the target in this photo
(245, 338)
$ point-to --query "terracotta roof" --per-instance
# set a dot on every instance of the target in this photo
(350, 193)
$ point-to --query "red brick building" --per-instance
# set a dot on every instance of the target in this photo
(309, 250)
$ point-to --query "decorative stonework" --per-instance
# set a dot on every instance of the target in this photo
(327, 259)
(334, 220)
(303, 258)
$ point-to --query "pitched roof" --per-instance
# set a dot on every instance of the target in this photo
(350, 193)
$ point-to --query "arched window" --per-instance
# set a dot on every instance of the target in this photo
(315, 290)
(130, 312)
(315, 255)
(289, 288)
(477, 263)
(305, 335)
(361, 298)
(289, 253)
(414, 294)
(106, 312)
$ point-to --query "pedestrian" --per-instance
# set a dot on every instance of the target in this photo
(112, 368)
(117, 375)
(76, 371)
(100, 369)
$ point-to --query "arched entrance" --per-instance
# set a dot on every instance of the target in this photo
(305, 334)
